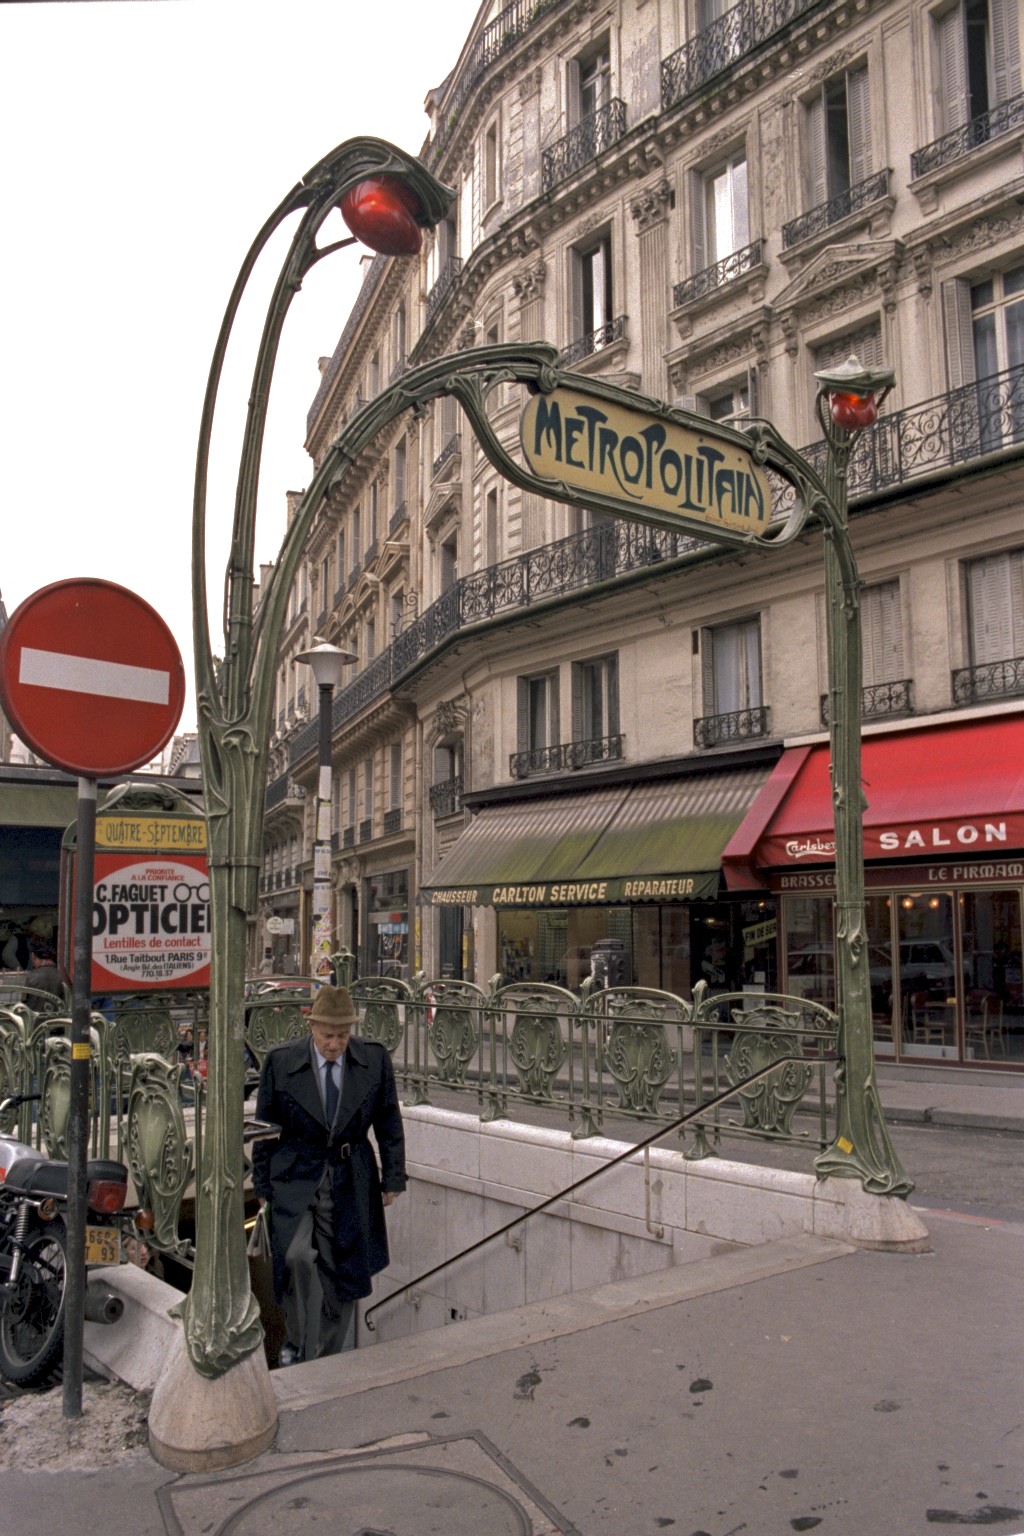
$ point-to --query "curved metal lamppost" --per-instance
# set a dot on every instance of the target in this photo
(386, 196)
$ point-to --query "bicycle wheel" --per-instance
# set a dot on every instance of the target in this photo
(32, 1317)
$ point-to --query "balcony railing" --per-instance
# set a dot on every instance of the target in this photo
(401, 364)
(348, 837)
(739, 725)
(980, 130)
(582, 144)
(567, 755)
(871, 190)
(944, 432)
(722, 44)
(446, 797)
(366, 830)
(446, 281)
(724, 271)
(398, 516)
(879, 700)
(989, 680)
(594, 341)
(282, 789)
(392, 822)
(447, 453)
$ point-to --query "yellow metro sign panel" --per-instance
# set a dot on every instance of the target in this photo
(645, 463)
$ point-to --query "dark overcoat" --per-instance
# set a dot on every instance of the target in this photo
(287, 1169)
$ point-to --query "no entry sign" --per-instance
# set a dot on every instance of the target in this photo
(91, 677)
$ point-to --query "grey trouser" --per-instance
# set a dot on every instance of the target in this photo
(317, 1320)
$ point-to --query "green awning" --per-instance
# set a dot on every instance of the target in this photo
(38, 805)
(657, 841)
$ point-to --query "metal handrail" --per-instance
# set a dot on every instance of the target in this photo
(596, 1173)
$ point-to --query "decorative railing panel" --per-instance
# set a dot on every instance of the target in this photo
(448, 452)
(879, 701)
(446, 280)
(722, 44)
(980, 130)
(737, 725)
(446, 796)
(567, 755)
(392, 822)
(989, 680)
(871, 190)
(593, 341)
(718, 276)
(582, 144)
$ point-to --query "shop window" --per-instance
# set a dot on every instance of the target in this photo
(994, 591)
(538, 712)
(809, 949)
(994, 997)
(978, 57)
(721, 223)
(838, 137)
(595, 698)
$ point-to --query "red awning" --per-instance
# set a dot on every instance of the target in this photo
(951, 791)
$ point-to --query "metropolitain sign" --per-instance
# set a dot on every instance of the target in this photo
(646, 463)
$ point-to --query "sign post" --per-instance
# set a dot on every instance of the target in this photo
(92, 680)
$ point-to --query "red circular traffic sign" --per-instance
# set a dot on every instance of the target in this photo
(91, 677)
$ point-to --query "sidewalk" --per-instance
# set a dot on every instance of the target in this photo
(990, 1101)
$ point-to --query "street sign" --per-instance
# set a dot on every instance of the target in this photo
(91, 677)
(657, 469)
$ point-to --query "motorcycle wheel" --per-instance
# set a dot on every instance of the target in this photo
(32, 1319)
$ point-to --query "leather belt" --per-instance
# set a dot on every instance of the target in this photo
(343, 1151)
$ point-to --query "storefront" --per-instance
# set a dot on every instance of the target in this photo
(622, 884)
(386, 937)
(944, 882)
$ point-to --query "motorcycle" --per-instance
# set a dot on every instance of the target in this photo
(33, 1252)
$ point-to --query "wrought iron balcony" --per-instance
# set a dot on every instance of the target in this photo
(366, 830)
(448, 452)
(879, 700)
(398, 516)
(989, 680)
(723, 272)
(946, 431)
(594, 341)
(739, 725)
(567, 755)
(980, 130)
(854, 200)
(728, 39)
(446, 797)
(392, 821)
(590, 138)
(447, 278)
(281, 790)
(401, 364)
(348, 837)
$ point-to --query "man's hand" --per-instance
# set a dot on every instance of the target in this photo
(391, 1196)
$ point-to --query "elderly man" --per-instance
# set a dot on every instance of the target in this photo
(320, 1175)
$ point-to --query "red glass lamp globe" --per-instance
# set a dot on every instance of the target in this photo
(853, 411)
(381, 212)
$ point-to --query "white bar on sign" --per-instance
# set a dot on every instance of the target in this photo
(84, 674)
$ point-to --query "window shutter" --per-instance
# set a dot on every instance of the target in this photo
(817, 176)
(612, 723)
(699, 226)
(707, 669)
(523, 715)
(752, 665)
(579, 682)
(956, 309)
(1005, 49)
(1016, 560)
(988, 592)
(858, 111)
(882, 633)
(754, 391)
(553, 710)
(949, 35)
(740, 206)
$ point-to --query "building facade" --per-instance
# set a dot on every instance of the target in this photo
(575, 745)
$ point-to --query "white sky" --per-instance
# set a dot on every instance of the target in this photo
(143, 146)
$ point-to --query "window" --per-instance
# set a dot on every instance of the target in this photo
(997, 322)
(325, 582)
(733, 402)
(370, 640)
(995, 607)
(838, 137)
(449, 563)
(882, 634)
(373, 377)
(538, 712)
(490, 528)
(985, 339)
(395, 777)
(352, 808)
(491, 166)
(341, 555)
(397, 608)
(594, 80)
(357, 537)
(721, 224)
(398, 481)
(978, 61)
(372, 513)
(732, 667)
(595, 698)
(593, 292)
(367, 788)
(399, 338)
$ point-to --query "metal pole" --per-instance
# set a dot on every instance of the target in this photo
(78, 1111)
(323, 924)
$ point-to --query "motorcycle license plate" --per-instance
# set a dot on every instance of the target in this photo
(102, 1245)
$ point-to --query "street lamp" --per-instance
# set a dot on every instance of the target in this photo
(327, 662)
(214, 1404)
(847, 401)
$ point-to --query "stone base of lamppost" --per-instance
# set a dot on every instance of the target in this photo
(202, 1424)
